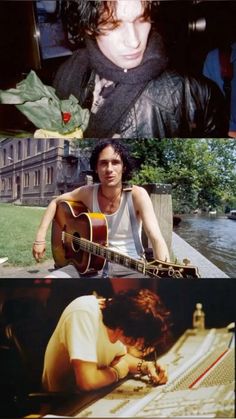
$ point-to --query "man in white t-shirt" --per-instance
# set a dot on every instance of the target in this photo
(88, 349)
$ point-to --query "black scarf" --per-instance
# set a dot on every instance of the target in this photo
(127, 85)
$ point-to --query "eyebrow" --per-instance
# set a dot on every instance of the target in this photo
(115, 20)
(107, 160)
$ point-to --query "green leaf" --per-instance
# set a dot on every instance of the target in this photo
(40, 104)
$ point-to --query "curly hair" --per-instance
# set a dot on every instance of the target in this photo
(139, 314)
(119, 148)
(89, 17)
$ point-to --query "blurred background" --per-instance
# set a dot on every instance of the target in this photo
(36, 35)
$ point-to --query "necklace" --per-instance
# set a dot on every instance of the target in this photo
(111, 201)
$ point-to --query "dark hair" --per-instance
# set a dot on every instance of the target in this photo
(139, 314)
(121, 149)
(84, 17)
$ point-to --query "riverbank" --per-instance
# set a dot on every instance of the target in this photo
(213, 237)
(182, 250)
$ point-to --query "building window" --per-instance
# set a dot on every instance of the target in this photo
(37, 178)
(26, 180)
(4, 157)
(3, 185)
(19, 150)
(51, 143)
(11, 156)
(49, 179)
(28, 147)
(39, 146)
(10, 183)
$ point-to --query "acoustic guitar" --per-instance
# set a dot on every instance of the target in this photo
(80, 238)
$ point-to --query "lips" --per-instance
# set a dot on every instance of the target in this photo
(132, 56)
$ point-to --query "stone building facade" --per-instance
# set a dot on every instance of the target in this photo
(33, 171)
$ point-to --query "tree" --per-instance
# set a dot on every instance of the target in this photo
(202, 172)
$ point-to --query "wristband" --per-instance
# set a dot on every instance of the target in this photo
(39, 242)
(139, 367)
(115, 370)
(142, 367)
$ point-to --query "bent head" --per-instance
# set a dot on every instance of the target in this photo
(121, 27)
(125, 28)
(136, 318)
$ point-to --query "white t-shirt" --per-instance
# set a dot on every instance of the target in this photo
(80, 334)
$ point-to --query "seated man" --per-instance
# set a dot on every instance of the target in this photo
(88, 349)
(125, 210)
(122, 76)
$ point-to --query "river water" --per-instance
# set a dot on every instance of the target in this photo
(214, 237)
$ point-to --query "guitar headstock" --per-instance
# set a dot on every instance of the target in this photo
(161, 269)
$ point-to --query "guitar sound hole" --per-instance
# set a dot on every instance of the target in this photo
(75, 242)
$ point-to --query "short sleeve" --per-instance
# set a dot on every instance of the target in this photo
(79, 335)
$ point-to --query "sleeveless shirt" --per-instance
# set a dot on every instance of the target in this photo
(120, 235)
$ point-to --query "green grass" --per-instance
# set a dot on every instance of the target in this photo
(18, 226)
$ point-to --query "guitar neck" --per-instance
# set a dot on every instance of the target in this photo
(112, 256)
(155, 269)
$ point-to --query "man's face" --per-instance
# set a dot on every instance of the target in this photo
(126, 43)
(109, 167)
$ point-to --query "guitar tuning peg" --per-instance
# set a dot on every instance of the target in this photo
(186, 261)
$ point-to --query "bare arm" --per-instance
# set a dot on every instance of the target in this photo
(39, 246)
(89, 377)
(144, 208)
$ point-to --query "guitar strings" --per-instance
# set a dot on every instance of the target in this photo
(89, 244)
(147, 268)
(81, 240)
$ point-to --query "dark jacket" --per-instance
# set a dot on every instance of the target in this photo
(169, 106)
(177, 106)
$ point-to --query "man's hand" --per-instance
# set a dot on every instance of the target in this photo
(39, 250)
(157, 373)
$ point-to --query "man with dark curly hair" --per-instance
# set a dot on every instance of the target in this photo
(125, 209)
(121, 76)
(89, 348)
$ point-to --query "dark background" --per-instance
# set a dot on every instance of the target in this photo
(179, 22)
(179, 296)
(190, 30)
(30, 310)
